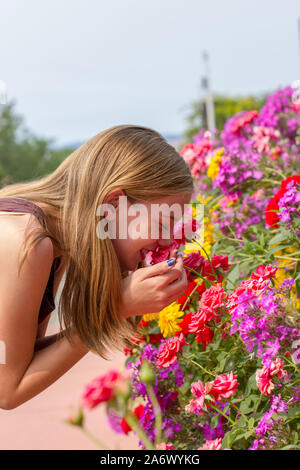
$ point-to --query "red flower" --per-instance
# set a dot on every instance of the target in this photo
(224, 386)
(243, 120)
(212, 298)
(284, 183)
(155, 338)
(127, 351)
(143, 323)
(271, 217)
(194, 261)
(264, 272)
(199, 320)
(184, 324)
(102, 388)
(138, 411)
(218, 262)
(167, 353)
(125, 426)
(204, 336)
(182, 299)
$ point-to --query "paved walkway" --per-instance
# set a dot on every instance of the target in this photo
(38, 423)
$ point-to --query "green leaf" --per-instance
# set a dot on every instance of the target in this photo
(251, 385)
(293, 411)
(214, 421)
(298, 287)
(280, 237)
(234, 274)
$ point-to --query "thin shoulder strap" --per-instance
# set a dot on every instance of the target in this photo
(14, 204)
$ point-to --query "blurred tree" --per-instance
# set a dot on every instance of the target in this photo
(225, 107)
(22, 155)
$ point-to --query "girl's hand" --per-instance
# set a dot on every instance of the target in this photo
(152, 288)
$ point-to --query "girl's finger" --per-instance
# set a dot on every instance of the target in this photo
(177, 288)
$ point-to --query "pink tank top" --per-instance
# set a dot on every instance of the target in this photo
(15, 204)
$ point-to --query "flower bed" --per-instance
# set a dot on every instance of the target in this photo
(219, 368)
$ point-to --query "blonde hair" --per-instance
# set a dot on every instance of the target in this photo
(134, 158)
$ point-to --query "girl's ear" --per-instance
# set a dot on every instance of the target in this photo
(113, 197)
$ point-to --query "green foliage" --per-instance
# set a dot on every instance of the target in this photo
(23, 156)
(225, 108)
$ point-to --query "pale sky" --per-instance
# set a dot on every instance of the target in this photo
(76, 67)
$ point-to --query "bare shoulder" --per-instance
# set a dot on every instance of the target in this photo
(12, 232)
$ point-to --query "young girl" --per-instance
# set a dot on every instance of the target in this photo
(107, 285)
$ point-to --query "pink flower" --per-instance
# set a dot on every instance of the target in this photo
(243, 120)
(296, 106)
(259, 194)
(199, 319)
(212, 298)
(104, 388)
(164, 446)
(211, 301)
(199, 390)
(195, 155)
(264, 376)
(194, 261)
(212, 445)
(257, 286)
(162, 254)
(224, 386)
(167, 353)
(264, 272)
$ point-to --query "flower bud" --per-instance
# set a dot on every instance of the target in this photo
(76, 418)
(147, 374)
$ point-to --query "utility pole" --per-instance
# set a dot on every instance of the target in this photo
(209, 113)
(2, 92)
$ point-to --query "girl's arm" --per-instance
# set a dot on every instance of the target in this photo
(26, 372)
(47, 365)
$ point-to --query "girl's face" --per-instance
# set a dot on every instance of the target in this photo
(151, 228)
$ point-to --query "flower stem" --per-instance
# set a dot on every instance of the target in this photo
(94, 439)
(132, 421)
(221, 413)
(201, 367)
(157, 414)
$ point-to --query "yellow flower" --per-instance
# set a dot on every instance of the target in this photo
(169, 318)
(150, 316)
(214, 166)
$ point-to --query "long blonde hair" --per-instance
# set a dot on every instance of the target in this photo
(136, 159)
